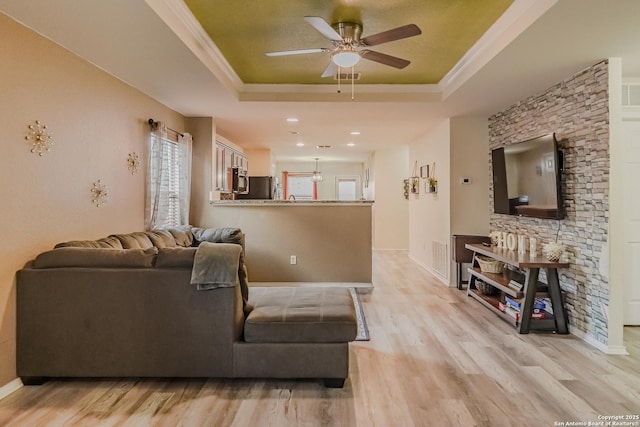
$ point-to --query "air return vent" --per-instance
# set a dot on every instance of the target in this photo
(347, 76)
(440, 260)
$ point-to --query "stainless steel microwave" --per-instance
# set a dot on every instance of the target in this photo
(239, 181)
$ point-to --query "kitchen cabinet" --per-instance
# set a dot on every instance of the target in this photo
(227, 158)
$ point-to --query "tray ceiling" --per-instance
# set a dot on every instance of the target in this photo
(245, 31)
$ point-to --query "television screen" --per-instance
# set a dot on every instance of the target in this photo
(526, 179)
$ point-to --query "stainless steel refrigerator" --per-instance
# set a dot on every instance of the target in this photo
(260, 188)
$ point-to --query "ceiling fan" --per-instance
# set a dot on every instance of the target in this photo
(348, 48)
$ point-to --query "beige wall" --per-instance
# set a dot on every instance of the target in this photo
(470, 202)
(203, 130)
(260, 162)
(331, 243)
(429, 213)
(391, 210)
(96, 121)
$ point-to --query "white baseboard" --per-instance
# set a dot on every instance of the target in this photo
(620, 350)
(617, 350)
(9, 388)
(430, 270)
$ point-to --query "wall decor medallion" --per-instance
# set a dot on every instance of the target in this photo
(99, 191)
(41, 138)
(133, 162)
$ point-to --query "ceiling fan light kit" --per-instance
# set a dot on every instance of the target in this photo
(347, 44)
(345, 58)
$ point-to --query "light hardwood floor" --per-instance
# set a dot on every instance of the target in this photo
(436, 358)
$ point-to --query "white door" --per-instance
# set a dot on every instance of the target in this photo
(347, 187)
(632, 221)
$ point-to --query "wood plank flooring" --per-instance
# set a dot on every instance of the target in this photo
(436, 358)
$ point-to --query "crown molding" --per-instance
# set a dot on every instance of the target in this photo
(177, 16)
(517, 18)
(329, 93)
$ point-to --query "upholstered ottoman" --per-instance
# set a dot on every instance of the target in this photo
(313, 325)
(299, 314)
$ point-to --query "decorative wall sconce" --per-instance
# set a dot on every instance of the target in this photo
(41, 137)
(99, 191)
(134, 163)
(431, 179)
(432, 185)
(414, 181)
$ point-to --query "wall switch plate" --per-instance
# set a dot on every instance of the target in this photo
(465, 181)
(294, 260)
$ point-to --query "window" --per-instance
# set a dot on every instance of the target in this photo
(168, 184)
(300, 186)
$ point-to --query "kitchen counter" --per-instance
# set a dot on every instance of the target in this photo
(249, 202)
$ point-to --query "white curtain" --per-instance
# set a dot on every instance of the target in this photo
(154, 217)
(168, 179)
(185, 143)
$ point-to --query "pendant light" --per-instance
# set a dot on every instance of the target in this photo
(317, 175)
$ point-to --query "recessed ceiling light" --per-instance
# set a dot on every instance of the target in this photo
(300, 144)
(355, 132)
(351, 144)
(292, 120)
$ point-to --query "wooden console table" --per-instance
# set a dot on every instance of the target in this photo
(531, 289)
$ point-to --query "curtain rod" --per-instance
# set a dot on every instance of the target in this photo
(153, 123)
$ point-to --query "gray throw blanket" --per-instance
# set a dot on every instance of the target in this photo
(215, 265)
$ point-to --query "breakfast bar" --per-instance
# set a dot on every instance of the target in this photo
(302, 241)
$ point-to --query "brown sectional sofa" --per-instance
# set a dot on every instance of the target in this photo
(125, 306)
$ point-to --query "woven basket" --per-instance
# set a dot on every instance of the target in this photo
(485, 288)
(490, 265)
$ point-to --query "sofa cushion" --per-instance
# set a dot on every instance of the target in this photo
(107, 242)
(96, 257)
(300, 315)
(182, 235)
(177, 257)
(137, 240)
(161, 238)
(219, 235)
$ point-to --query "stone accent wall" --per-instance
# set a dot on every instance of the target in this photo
(577, 110)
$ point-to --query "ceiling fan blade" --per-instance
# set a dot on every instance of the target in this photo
(297, 52)
(323, 27)
(385, 59)
(403, 32)
(331, 70)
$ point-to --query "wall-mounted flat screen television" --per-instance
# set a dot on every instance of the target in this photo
(526, 178)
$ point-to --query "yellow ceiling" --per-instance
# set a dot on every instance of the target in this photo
(245, 30)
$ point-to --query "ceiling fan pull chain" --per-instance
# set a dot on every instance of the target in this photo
(339, 78)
